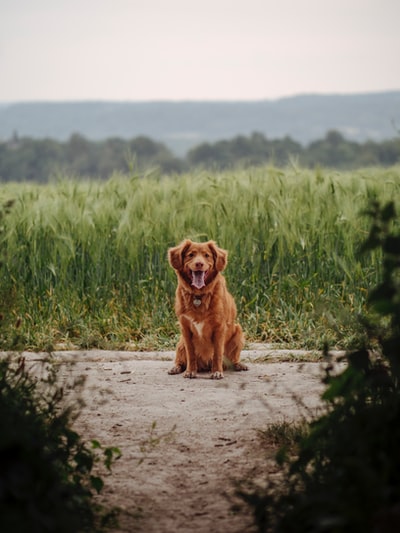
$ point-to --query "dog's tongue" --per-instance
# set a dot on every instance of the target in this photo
(198, 278)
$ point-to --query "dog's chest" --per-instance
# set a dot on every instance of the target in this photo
(198, 325)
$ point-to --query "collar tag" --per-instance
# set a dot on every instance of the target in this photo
(196, 302)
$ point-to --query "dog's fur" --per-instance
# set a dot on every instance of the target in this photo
(206, 311)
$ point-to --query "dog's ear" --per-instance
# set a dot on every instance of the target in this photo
(220, 256)
(177, 253)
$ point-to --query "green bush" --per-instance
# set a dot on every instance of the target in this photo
(346, 476)
(47, 472)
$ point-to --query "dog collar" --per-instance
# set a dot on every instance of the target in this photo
(196, 301)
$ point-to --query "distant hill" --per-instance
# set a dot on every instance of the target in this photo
(182, 125)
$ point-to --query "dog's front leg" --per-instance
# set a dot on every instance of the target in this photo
(218, 342)
(191, 367)
(191, 370)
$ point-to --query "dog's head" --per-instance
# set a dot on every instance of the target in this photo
(197, 263)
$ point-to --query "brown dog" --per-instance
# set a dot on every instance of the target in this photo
(205, 309)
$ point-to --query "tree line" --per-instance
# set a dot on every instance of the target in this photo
(28, 159)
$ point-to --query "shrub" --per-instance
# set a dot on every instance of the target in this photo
(346, 477)
(47, 480)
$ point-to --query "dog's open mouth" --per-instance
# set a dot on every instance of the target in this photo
(199, 278)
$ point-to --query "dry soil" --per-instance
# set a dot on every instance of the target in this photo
(185, 442)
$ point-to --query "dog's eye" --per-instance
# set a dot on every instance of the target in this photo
(207, 255)
(191, 254)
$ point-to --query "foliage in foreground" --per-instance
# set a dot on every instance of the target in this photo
(85, 262)
(346, 477)
(48, 474)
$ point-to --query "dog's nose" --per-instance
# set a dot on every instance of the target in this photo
(199, 264)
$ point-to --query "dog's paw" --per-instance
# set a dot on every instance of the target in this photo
(240, 366)
(217, 375)
(191, 374)
(175, 370)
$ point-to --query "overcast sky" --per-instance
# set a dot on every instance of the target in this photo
(196, 50)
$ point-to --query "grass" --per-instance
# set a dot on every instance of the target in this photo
(86, 262)
(285, 434)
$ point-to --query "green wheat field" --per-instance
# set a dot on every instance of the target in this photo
(84, 263)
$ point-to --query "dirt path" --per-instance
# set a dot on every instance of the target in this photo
(184, 441)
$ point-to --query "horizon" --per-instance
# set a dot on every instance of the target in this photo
(205, 100)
